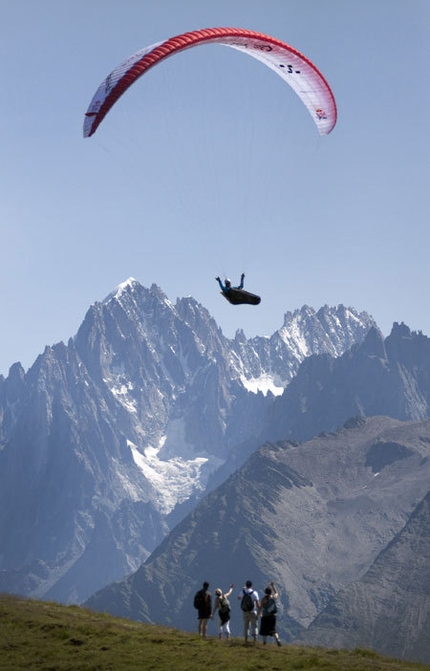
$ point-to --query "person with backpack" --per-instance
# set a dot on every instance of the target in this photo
(268, 610)
(250, 606)
(222, 604)
(203, 605)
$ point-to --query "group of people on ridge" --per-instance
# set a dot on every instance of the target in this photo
(252, 609)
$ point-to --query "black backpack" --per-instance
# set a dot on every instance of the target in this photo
(247, 603)
(200, 599)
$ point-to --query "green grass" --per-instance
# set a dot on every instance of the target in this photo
(37, 635)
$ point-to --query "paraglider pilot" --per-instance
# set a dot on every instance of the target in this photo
(227, 286)
(237, 295)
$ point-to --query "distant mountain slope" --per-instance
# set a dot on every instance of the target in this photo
(106, 442)
(379, 376)
(311, 516)
(274, 361)
(388, 609)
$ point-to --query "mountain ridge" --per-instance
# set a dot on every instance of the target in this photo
(108, 440)
(313, 517)
(151, 446)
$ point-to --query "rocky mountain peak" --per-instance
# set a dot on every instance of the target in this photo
(131, 420)
(373, 344)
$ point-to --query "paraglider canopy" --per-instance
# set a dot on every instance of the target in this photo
(292, 66)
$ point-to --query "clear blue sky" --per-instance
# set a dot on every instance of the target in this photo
(211, 165)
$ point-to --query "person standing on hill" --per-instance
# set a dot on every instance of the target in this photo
(222, 604)
(268, 610)
(250, 606)
(203, 605)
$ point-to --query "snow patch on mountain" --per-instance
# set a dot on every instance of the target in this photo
(122, 394)
(265, 383)
(175, 480)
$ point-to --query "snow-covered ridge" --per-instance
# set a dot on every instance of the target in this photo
(116, 294)
(269, 364)
(171, 346)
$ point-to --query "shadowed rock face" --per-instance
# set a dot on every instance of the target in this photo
(383, 454)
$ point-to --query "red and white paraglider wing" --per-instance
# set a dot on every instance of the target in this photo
(111, 89)
(298, 71)
(294, 68)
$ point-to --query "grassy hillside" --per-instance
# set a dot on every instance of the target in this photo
(39, 635)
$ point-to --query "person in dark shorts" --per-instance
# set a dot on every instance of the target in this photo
(203, 605)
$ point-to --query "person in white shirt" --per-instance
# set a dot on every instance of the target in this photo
(250, 606)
